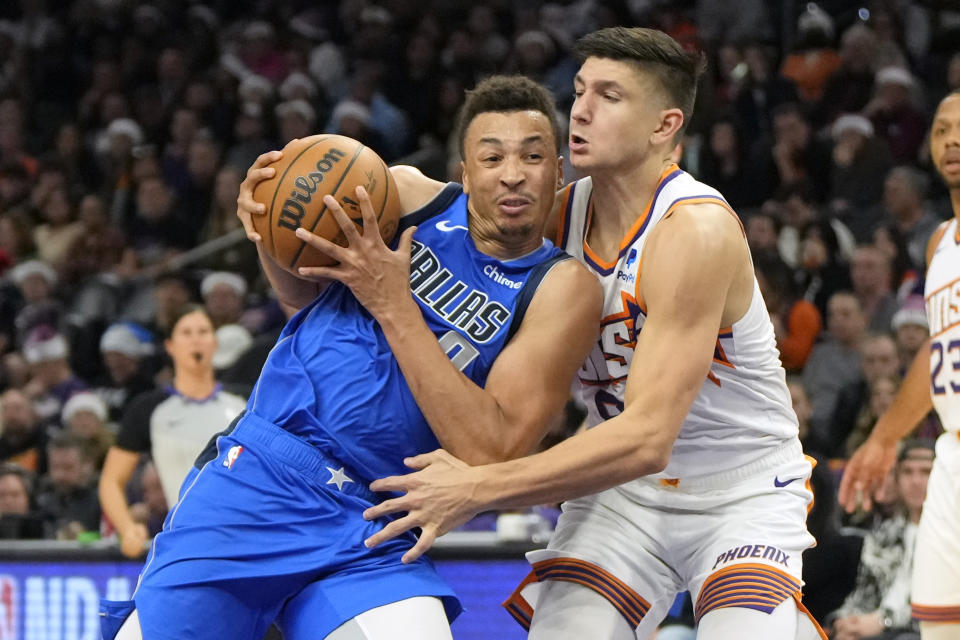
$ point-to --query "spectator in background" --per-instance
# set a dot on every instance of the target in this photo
(878, 359)
(860, 164)
(871, 275)
(796, 157)
(52, 379)
(760, 91)
(66, 495)
(895, 117)
(97, 249)
(910, 326)
(763, 235)
(152, 510)
(879, 606)
(907, 280)
(796, 322)
(723, 163)
(802, 407)
(850, 86)
(835, 362)
(882, 391)
(125, 348)
(156, 232)
(830, 567)
(249, 136)
(223, 297)
(18, 519)
(813, 59)
(222, 219)
(37, 282)
(823, 269)
(59, 230)
(23, 441)
(171, 424)
(904, 194)
(85, 415)
(295, 119)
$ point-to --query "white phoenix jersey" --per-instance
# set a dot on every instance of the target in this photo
(743, 410)
(942, 294)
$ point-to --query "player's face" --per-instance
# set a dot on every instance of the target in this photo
(912, 477)
(192, 343)
(511, 172)
(945, 140)
(616, 110)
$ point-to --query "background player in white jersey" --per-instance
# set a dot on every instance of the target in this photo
(933, 382)
(692, 452)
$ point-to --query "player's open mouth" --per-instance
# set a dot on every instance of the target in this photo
(198, 356)
(513, 205)
(576, 142)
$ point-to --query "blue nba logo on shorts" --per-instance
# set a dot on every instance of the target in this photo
(631, 258)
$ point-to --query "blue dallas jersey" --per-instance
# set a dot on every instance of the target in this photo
(332, 379)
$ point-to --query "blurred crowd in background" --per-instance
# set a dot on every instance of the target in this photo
(127, 127)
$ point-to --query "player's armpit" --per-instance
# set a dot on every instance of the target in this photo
(530, 379)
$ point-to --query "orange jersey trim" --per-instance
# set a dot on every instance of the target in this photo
(624, 599)
(634, 230)
(749, 585)
(934, 613)
(563, 211)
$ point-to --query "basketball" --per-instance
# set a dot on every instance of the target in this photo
(310, 169)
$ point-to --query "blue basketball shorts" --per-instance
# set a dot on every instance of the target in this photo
(271, 529)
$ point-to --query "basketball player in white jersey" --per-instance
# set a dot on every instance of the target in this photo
(933, 382)
(691, 475)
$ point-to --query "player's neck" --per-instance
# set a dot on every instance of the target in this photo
(195, 384)
(955, 201)
(619, 198)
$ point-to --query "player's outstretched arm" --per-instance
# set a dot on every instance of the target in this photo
(508, 416)
(691, 263)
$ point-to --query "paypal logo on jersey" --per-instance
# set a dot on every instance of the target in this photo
(626, 277)
(632, 257)
(494, 274)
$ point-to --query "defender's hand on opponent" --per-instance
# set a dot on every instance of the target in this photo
(378, 277)
(247, 207)
(865, 473)
(438, 498)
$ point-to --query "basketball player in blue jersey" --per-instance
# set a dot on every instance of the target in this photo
(691, 475)
(390, 354)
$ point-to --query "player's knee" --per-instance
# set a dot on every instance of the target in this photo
(566, 610)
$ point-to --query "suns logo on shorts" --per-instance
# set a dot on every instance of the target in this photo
(232, 456)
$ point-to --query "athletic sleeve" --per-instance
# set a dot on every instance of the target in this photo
(134, 432)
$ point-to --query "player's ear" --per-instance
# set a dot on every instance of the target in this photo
(464, 180)
(671, 120)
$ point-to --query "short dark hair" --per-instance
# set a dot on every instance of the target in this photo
(69, 440)
(185, 310)
(654, 52)
(503, 94)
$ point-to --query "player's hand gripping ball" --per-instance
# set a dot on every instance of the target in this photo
(310, 169)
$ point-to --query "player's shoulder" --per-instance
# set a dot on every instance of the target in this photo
(935, 238)
(569, 283)
(415, 189)
(709, 220)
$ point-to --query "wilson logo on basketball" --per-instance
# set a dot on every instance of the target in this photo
(303, 189)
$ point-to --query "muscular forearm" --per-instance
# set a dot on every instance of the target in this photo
(912, 402)
(466, 420)
(592, 461)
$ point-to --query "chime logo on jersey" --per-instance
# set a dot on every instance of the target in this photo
(232, 456)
